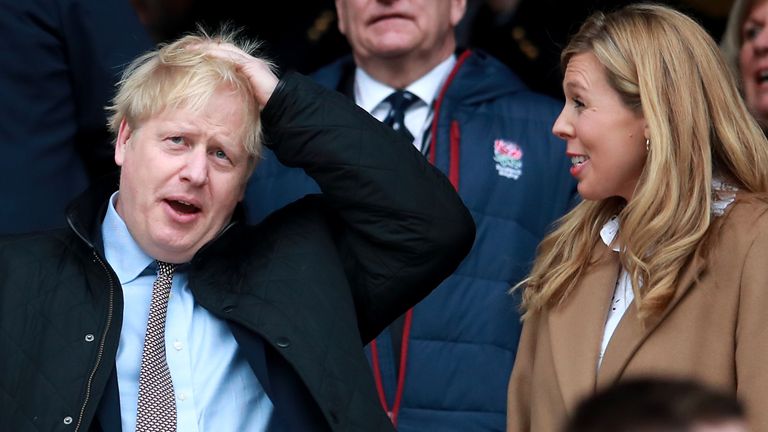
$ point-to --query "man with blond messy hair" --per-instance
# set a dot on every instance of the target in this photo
(158, 310)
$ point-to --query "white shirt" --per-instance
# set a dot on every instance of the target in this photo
(723, 196)
(370, 95)
(215, 387)
(622, 295)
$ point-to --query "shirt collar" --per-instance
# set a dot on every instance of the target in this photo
(369, 93)
(120, 249)
(609, 231)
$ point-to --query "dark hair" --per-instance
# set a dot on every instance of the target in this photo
(654, 404)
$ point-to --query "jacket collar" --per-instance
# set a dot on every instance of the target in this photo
(577, 328)
(480, 79)
(631, 333)
(86, 212)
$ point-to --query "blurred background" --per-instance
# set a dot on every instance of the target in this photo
(527, 35)
(62, 58)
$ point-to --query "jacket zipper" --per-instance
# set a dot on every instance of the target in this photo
(102, 342)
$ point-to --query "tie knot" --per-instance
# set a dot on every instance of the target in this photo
(401, 100)
(165, 269)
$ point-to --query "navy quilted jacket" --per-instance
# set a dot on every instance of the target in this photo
(492, 137)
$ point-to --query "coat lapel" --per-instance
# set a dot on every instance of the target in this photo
(577, 328)
(631, 334)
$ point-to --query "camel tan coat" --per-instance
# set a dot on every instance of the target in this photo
(715, 330)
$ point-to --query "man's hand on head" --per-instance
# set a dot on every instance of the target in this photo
(263, 80)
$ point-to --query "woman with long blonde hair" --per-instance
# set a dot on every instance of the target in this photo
(661, 270)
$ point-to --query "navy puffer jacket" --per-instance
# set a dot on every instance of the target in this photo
(492, 137)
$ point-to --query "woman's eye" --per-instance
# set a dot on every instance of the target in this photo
(176, 140)
(751, 32)
(220, 154)
(577, 103)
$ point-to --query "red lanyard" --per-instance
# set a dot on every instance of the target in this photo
(453, 175)
(395, 409)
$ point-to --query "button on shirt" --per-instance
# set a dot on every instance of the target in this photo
(370, 95)
(215, 387)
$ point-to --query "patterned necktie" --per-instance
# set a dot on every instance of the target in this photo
(157, 404)
(399, 102)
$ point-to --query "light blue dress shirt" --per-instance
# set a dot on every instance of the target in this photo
(215, 388)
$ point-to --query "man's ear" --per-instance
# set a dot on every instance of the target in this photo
(124, 135)
(340, 16)
(458, 8)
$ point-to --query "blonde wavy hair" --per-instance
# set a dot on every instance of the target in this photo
(181, 74)
(665, 65)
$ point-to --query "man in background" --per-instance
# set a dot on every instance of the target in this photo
(60, 62)
(443, 365)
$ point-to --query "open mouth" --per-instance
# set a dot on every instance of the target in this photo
(761, 76)
(183, 207)
(578, 160)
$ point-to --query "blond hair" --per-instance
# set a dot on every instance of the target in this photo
(664, 65)
(182, 74)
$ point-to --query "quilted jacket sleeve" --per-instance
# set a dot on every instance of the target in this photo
(404, 228)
